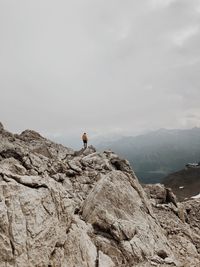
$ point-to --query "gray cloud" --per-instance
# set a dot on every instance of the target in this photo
(99, 66)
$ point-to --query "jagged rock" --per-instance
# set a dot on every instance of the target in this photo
(32, 222)
(1, 127)
(171, 197)
(29, 135)
(43, 150)
(160, 194)
(75, 166)
(104, 260)
(120, 213)
(121, 165)
(12, 165)
(79, 248)
(12, 153)
(157, 192)
(85, 152)
(6, 134)
(62, 208)
(183, 241)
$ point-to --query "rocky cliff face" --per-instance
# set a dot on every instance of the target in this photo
(184, 183)
(61, 208)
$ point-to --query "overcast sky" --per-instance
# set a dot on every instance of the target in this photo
(100, 66)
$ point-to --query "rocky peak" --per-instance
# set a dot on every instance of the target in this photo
(4, 133)
(64, 208)
(29, 135)
(1, 127)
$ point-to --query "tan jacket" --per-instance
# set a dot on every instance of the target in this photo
(84, 137)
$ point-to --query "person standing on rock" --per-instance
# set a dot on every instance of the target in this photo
(85, 140)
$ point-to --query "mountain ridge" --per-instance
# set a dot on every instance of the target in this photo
(157, 154)
(66, 208)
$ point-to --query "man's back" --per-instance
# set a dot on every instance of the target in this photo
(84, 137)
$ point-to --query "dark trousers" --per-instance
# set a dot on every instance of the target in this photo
(85, 144)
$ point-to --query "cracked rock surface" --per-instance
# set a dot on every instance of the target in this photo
(65, 208)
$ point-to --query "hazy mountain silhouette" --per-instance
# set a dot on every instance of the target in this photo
(156, 154)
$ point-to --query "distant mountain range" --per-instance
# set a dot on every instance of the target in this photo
(156, 154)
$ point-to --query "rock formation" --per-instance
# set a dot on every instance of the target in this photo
(184, 183)
(61, 208)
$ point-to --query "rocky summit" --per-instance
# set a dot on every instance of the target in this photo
(65, 208)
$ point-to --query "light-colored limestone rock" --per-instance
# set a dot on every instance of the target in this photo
(104, 260)
(60, 208)
(123, 215)
(79, 249)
